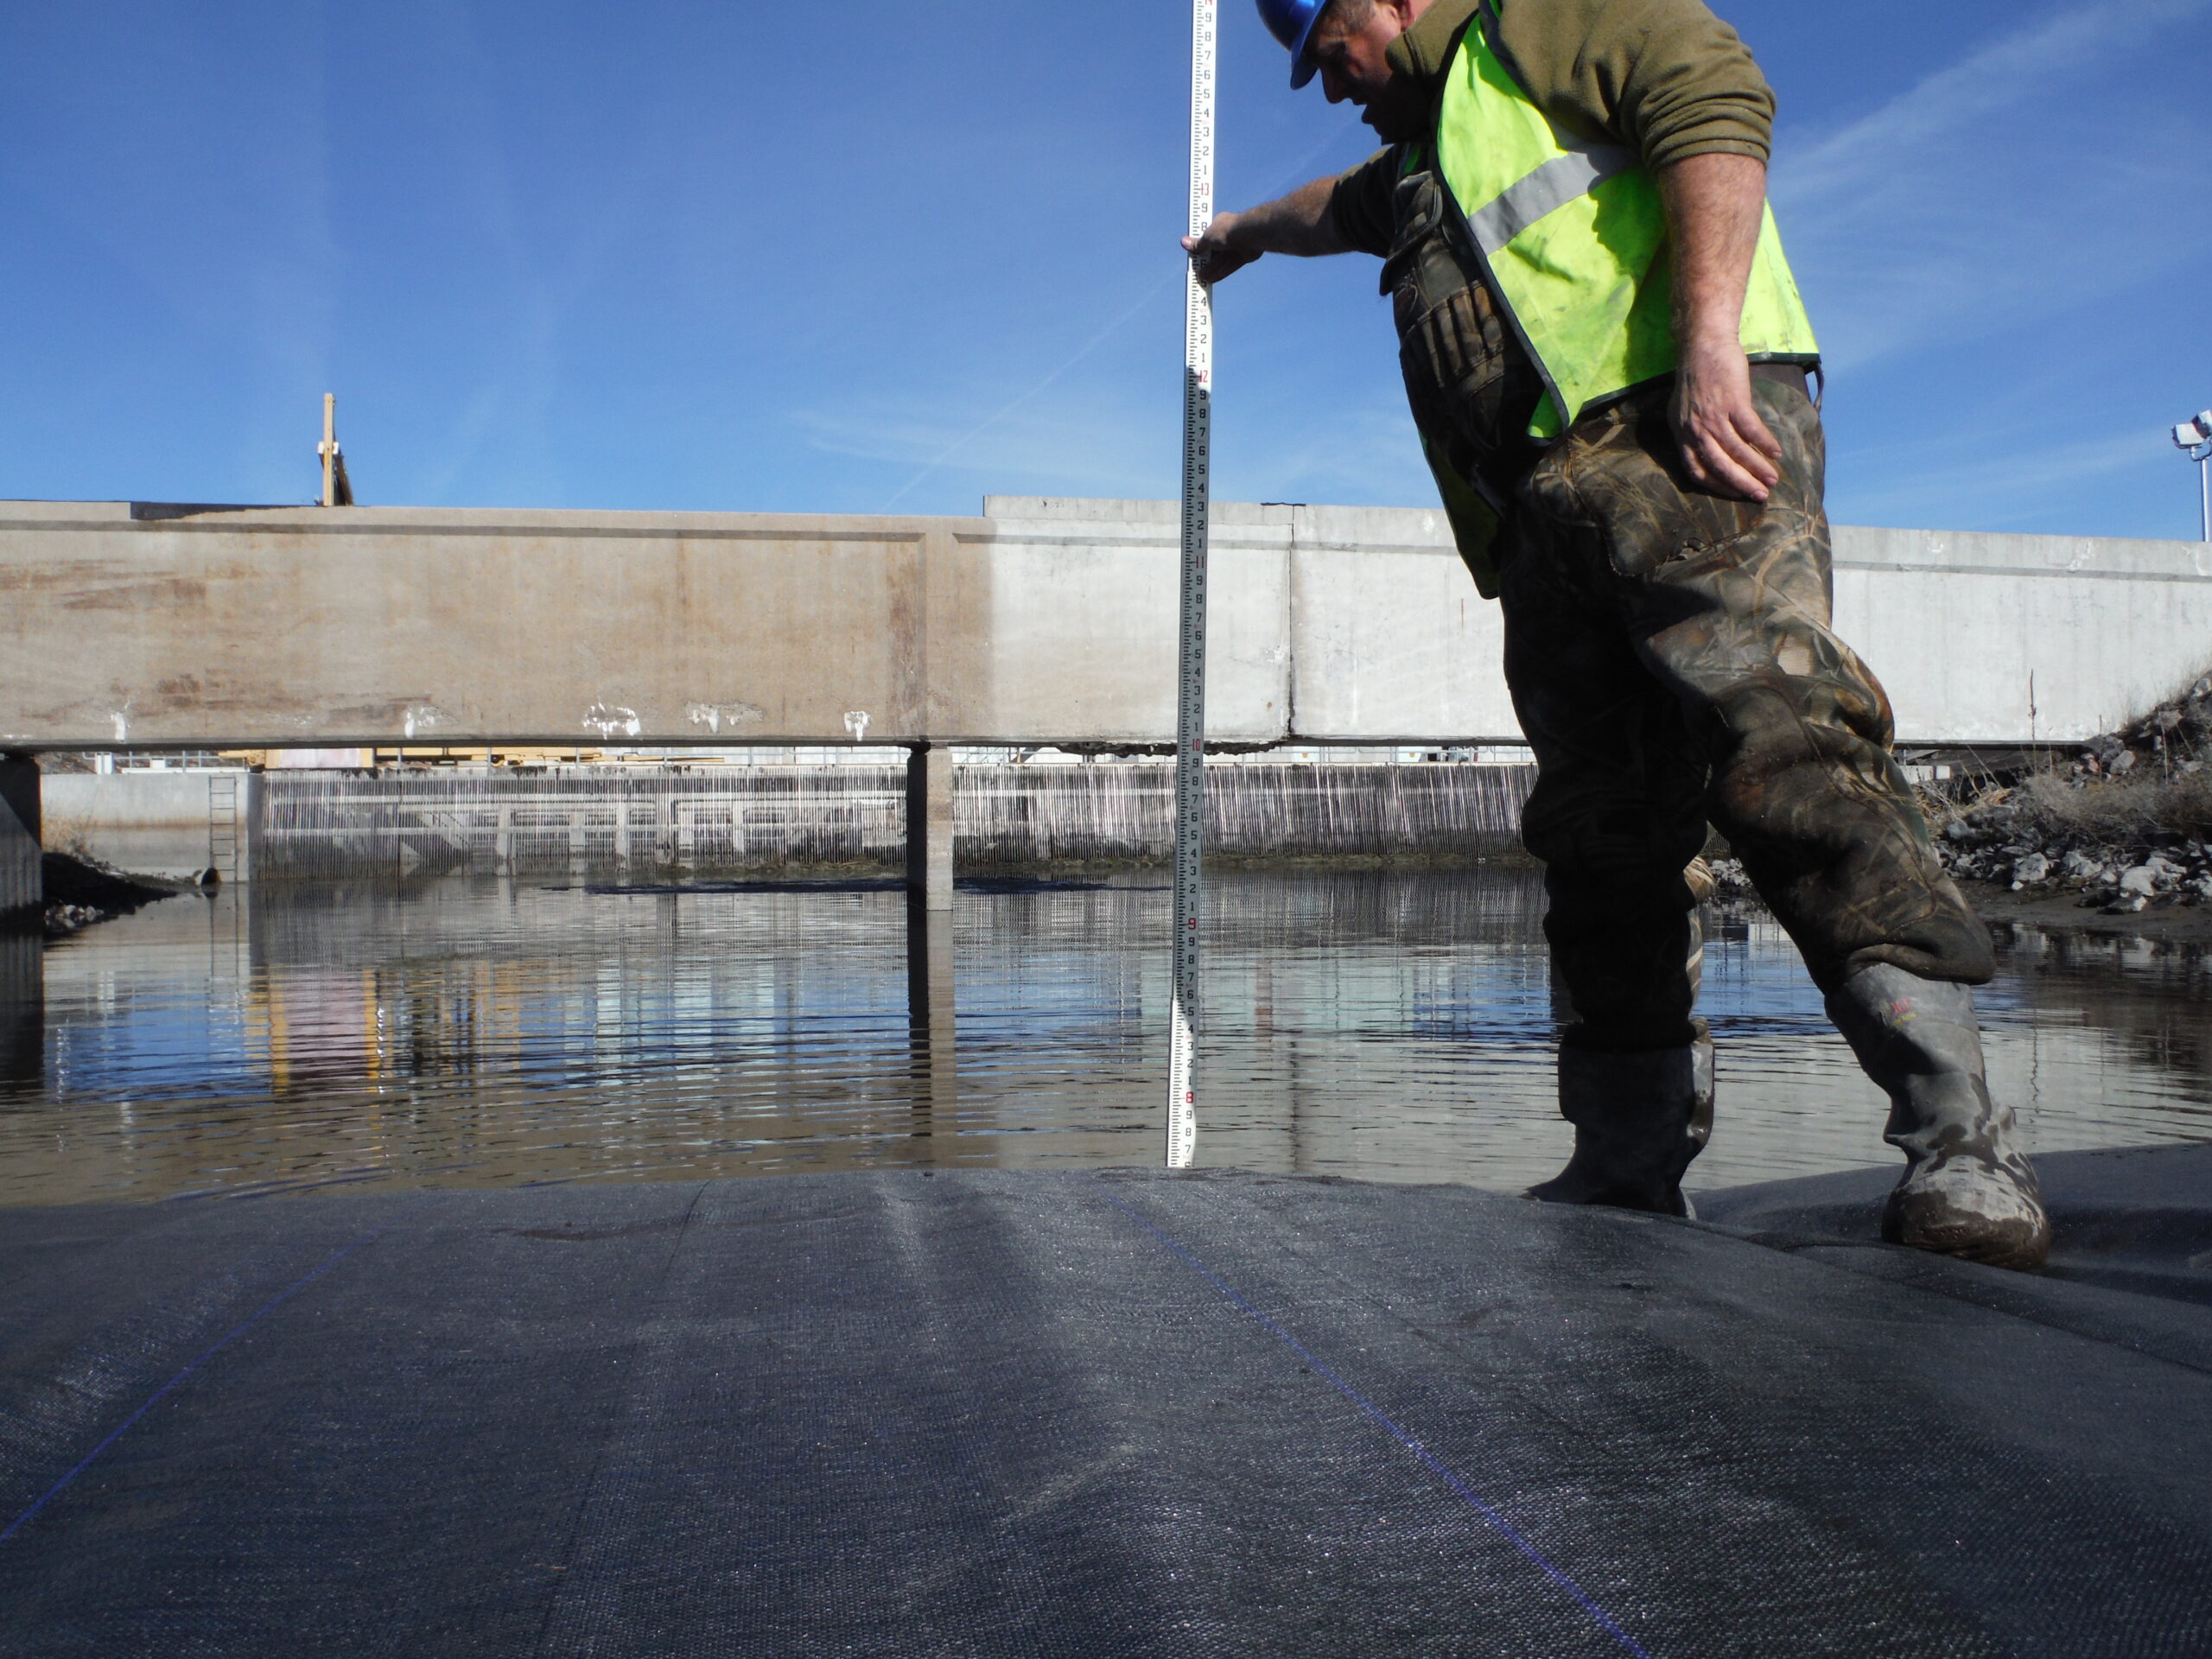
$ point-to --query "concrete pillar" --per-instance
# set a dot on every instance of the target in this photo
(22, 885)
(929, 825)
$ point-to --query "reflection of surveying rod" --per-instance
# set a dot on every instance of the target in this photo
(1190, 707)
(337, 488)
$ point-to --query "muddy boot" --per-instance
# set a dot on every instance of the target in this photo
(1967, 1191)
(1638, 1119)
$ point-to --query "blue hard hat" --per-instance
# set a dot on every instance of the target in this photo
(1291, 21)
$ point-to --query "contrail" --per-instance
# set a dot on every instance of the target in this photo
(1174, 278)
(988, 422)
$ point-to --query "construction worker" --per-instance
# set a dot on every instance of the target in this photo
(1609, 365)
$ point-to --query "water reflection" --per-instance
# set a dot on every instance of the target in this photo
(471, 1031)
(933, 1060)
(23, 1007)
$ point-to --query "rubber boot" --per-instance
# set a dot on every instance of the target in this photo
(1967, 1189)
(1639, 1118)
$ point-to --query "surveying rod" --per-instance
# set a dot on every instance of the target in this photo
(1190, 702)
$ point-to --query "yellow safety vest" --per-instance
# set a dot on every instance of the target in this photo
(1571, 238)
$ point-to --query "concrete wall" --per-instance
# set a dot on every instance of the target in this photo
(1979, 638)
(127, 625)
(166, 823)
(2014, 639)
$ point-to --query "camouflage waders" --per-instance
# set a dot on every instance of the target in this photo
(1671, 657)
(1670, 653)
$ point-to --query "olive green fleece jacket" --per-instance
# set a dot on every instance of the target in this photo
(1666, 76)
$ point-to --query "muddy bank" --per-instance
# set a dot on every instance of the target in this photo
(79, 893)
(2177, 918)
(2059, 911)
(2123, 828)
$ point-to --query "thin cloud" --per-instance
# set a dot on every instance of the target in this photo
(2019, 486)
(1173, 278)
(1994, 191)
(1964, 101)
(1369, 453)
(944, 455)
(1064, 450)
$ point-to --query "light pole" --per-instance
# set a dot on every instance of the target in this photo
(2194, 439)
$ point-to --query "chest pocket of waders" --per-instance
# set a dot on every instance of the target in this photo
(1466, 380)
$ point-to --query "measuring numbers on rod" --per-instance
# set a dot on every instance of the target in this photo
(1190, 703)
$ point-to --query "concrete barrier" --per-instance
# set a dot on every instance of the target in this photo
(1045, 621)
(168, 823)
(2023, 639)
(127, 625)
(1986, 639)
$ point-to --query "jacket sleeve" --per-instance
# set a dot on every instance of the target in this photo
(1666, 76)
(1360, 206)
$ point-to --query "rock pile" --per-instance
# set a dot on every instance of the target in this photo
(80, 893)
(2009, 843)
(2125, 824)
(1729, 881)
(2172, 737)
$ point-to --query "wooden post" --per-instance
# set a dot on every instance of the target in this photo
(337, 488)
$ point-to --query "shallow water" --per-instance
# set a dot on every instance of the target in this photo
(1394, 1027)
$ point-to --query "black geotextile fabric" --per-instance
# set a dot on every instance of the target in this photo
(983, 1414)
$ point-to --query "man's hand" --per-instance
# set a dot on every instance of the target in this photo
(1715, 204)
(1215, 255)
(1725, 445)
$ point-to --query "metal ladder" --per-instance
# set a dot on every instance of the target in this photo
(223, 825)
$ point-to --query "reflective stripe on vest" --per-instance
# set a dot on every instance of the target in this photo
(1571, 238)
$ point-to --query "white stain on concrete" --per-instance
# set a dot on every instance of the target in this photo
(423, 717)
(856, 724)
(716, 715)
(609, 721)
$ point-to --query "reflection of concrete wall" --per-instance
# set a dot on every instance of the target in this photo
(167, 824)
(23, 1006)
(1047, 620)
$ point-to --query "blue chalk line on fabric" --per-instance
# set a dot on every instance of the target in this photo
(178, 1380)
(1443, 1471)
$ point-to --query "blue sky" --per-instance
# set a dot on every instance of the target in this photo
(877, 257)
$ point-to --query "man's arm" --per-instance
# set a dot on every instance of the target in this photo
(1300, 223)
(1715, 204)
(1677, 84)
